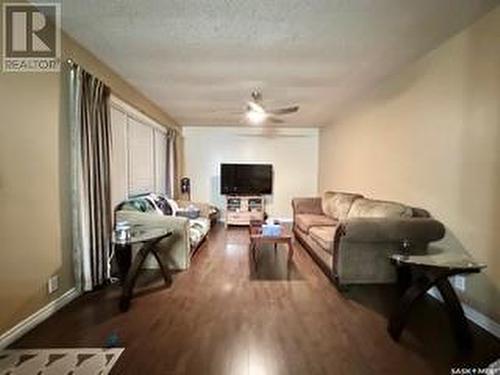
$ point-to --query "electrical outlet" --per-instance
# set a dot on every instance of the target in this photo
(53, 284)
(459, 282)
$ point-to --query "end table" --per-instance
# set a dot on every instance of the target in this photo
(129, 270)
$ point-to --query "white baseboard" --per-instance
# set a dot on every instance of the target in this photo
(473, 315)
(36, 318)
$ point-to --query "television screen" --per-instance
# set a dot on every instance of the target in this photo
(246, 179)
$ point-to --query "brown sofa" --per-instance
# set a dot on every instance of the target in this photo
(352, 237)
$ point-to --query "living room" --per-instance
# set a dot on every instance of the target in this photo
(236, 187)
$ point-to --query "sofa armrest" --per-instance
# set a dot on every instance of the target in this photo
(307, 206)
(416, 230)
(153, 219)
(176, 248)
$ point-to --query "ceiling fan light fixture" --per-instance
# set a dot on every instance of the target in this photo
(256, 117)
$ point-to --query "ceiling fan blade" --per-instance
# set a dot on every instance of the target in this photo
(275, 120)
(284, 111)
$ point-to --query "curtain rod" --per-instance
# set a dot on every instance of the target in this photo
(73, 65)
(71, 62)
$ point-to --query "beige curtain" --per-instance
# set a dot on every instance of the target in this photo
(172, 162)
(91, 167)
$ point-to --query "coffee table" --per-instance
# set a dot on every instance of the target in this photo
(257, 239)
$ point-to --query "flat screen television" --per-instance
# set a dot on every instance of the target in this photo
(246, 179)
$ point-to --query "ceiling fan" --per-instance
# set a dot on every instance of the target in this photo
(256, 113)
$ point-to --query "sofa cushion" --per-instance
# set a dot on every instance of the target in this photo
(324, 236)
(164, 204)
(307, 221)
(198, 229)
(139, 203)
(337, 205)
(374, 208)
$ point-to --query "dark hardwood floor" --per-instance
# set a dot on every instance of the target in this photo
(222, 317)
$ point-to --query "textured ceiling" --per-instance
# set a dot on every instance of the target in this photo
(199, 60)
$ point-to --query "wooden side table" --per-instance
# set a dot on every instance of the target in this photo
(423, 273)
(129, 269)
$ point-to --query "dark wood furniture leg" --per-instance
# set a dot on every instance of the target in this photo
(398, 319)
(456, 313)
(128, 285)
(123, 256)
(253, 251)
(165, 271)
(403, 274)
(290, 249)
(423, 279)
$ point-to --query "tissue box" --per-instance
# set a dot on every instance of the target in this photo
(271, 230)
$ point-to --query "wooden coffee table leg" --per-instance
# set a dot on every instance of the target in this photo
(253, 251)
(290, 249)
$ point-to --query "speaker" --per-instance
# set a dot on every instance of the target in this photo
(185, 185)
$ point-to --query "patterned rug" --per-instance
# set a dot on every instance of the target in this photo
(79, 361)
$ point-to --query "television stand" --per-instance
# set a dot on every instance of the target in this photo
(241, 209)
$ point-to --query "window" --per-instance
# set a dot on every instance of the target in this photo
(141, 158)
(139, 153)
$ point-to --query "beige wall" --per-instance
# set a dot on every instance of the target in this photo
(293, 153)
(430, 136)
(35, 229)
